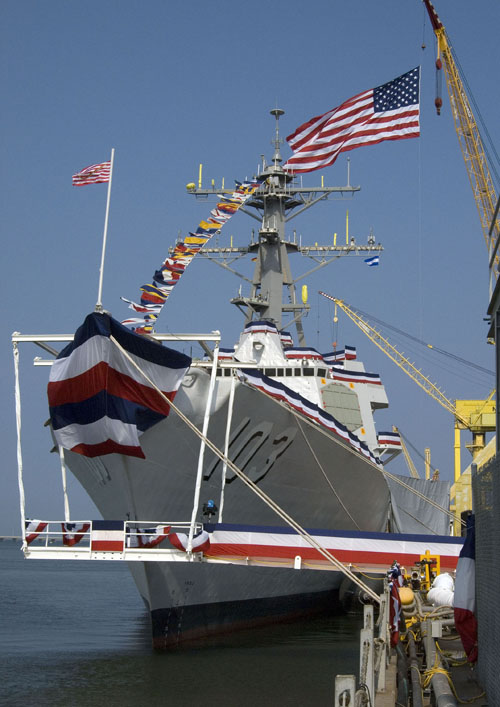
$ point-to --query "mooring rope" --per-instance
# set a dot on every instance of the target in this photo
(325, 475)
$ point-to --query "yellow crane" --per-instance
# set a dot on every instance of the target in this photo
(478, 416)
(476, 164)
(409, 461)
(468, 133)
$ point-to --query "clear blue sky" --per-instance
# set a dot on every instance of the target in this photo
(171, 84)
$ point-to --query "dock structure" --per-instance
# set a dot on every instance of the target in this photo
(427, 666)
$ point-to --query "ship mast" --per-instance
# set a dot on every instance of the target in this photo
(275, 203)
(272, 268)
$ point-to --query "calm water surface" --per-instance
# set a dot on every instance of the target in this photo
(77, 634)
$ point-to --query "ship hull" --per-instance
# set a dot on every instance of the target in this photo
(193, 602)
(316, 478)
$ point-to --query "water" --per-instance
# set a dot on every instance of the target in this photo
(76, 634)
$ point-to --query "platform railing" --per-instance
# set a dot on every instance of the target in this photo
(87, 539)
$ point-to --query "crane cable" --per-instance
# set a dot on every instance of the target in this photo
(443, 352)
(493, 159)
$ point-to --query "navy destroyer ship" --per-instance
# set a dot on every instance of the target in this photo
(322, 478)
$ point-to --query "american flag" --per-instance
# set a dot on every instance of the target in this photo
(388, 112)
(95, 174)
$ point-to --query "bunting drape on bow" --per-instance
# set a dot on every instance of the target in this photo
(155, 294)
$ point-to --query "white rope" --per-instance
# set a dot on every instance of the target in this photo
(274, 506)
(20, 482)
(325, 475)
(226, 442)
(201, 455)
(64, 486)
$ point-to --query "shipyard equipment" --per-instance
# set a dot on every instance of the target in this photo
(470, 140)
(409, 461)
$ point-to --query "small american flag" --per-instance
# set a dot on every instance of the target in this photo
(388, 112)
(95, 174)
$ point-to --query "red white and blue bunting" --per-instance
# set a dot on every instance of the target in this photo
(74, 532)
(33, 528)
(99, 403)
(231, 541)
(300, 352)
(341, 374)
(147, 537)
(389, 439)
(201, 541)
(226, 354)
(281, 392)
(286, 339)
(348, 353)
(260, 326)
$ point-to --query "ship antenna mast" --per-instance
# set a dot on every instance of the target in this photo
(273, 204)
(277, 112)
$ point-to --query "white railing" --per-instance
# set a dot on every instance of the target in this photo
(82, 541)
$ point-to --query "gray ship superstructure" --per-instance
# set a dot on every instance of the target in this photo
(319, 478)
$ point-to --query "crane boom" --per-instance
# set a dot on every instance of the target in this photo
(399, 359)
(468, 135)
(409, 461)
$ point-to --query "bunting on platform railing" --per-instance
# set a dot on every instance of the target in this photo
(260, 326)
(346, 376)
(33, 528)
(226, 354)
(389, 439)
(201, 541)
(147, 537)
(286, 339)
(297, 402)
(300, 352)
(74, 532)
(155, 294)
(372, 549)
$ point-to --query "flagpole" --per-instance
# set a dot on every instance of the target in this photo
(98, 307)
